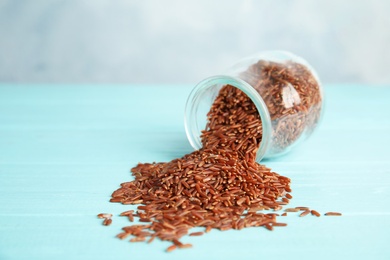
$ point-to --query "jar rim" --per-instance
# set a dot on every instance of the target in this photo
(191, 108)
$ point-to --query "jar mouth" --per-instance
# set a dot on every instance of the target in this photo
(206, 91)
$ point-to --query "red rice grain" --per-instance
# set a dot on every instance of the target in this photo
(122, 235)
(279, 224)
(104, 215)
(126, 213)
(291, 210)
(107, 221)
(182, 246)
(137, 239)
(151, 239)
(315, 213)
(269, 227)
(302, 208)
(171, 248)
(196, 234)
(332, 214)
(304, 213)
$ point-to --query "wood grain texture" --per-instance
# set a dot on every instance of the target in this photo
(64, 149)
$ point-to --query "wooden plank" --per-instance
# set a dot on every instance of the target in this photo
(64, 149)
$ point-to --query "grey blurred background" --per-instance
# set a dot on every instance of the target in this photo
(175, 42)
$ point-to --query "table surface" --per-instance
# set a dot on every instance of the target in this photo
(65, 148)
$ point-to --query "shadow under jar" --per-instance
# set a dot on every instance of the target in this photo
(285, 90)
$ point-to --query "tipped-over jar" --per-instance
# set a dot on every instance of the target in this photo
(285, 90)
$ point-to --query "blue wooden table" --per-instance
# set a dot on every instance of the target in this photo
(64, 149)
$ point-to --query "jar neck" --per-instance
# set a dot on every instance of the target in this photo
(212, 85)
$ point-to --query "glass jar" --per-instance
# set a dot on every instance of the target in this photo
(285, 90)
